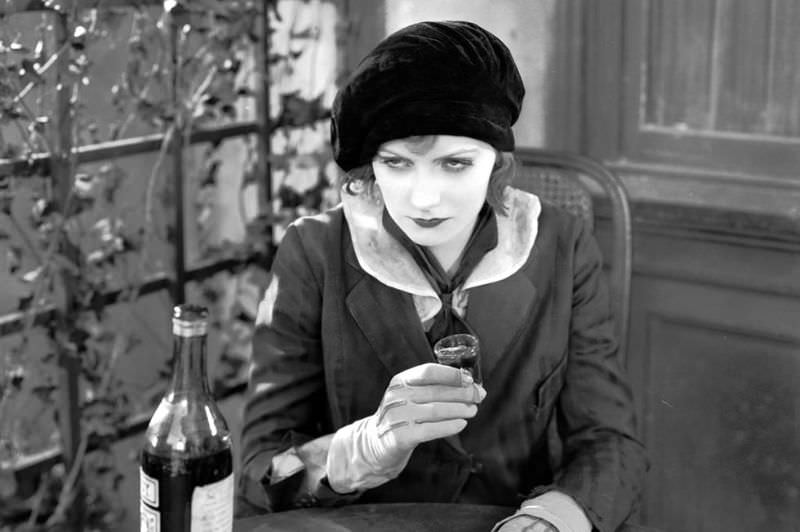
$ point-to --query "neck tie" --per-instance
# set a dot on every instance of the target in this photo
(482, 240)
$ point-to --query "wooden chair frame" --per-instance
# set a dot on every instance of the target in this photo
(578, 168)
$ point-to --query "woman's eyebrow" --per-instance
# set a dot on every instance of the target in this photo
(456, 153)
(383, 152)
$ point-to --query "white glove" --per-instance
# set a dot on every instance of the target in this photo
(552, 511)
(420, 404)
(525, 523)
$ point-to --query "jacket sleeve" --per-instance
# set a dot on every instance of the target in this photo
(285, 400)
(603, 463)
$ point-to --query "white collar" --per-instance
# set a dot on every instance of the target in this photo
(384, 258)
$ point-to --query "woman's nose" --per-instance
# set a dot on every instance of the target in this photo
(424, 192)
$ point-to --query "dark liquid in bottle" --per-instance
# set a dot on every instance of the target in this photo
(177, 478)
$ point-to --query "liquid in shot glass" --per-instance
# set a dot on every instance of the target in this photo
(460, 351)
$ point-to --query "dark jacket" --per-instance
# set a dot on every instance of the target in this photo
(558, 413)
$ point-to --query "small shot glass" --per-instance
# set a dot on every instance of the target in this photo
(460, 351)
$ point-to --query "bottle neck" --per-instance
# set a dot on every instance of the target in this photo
(189, 365)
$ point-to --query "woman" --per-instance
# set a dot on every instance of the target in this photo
(345, 402)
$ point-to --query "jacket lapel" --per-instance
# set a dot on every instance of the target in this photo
(388, 320)
(496, 313)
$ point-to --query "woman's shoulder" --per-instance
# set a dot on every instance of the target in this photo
(312, 238)
(310, 247)
(549, 217)
(559, 232)
(318, 226)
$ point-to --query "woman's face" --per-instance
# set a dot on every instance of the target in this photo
(434, 187)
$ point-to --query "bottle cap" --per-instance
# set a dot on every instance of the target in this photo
(189, 320)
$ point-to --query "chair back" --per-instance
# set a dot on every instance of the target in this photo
(571, 182)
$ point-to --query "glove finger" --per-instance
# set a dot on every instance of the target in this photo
(422, 432)
(430, 373)
(433, 412)
(401, 414)
(437, 393)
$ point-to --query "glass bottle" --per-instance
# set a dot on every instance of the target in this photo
(186, 464)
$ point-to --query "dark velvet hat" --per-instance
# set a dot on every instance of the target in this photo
(430, 78)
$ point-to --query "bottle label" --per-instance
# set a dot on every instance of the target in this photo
(149, 516)
(150, 520)
(148, 488)
(212, 506)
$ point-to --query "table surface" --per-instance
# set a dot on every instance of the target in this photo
(422, 517)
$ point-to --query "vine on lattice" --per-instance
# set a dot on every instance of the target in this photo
(67, 251)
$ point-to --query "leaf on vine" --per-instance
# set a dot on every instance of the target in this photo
(85, 185)
(298, 111)
(79, 35)
(15, 47)
(77, 67)
(41, 209)
(107, 229)
(111, 18)
(8, 484)
(218, 7)
(101, 416)
(13, 258)
(170, 235)
(6, 202)
(138, 52)
(15, 375)
(65, 264)
(32, 275)
(148, 111)
(9, 151)
(275, 58)
(15, 288)
(249, 176)
(11, 112)
(280, 160)
(210, 174)
(61, 6)
(96, 257)
(178, 12)
(231, 65)
(44, 391)
(305, 161)
(39, 125)
(28, 73)
(228, 110)
(311, 32)
(112, 176)
(38, 50)
(6, 88)
(24, 302)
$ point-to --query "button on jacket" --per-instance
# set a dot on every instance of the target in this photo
(346, 310)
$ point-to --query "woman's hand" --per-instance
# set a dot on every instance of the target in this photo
(423, 403)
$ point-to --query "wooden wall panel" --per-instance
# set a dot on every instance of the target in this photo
(714, 356)
(721, 425)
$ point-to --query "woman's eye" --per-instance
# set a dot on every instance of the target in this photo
(456, 165)
(394, 162)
